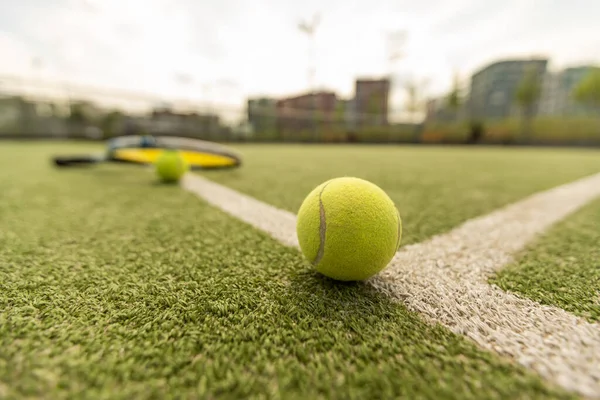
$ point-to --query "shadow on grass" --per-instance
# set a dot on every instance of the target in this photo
(113, 174)
(159, 183)
(350, 303)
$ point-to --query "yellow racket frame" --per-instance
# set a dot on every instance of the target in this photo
(194, 158)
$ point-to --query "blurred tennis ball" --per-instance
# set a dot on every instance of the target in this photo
(349, 229)
(170, 166)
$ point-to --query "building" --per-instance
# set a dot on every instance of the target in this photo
(371, 101)
(262, 115)
(307, 111)
(494, 87)
(557, 93)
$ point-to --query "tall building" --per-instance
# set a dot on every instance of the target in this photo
(494, 88)
(557, 93)
(371, 101)
(307, 111)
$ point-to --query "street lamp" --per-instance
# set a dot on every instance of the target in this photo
(309, 28)
(395, 51)
(185, 80)
(395, 46)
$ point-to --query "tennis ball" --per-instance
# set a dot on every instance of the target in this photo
(349, 229)
(170, 166)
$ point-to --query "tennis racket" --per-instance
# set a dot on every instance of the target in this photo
(199, 154)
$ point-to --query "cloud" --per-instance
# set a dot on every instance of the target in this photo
(143, 44)
(16, 57)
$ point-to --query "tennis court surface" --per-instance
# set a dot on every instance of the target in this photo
(114, 286)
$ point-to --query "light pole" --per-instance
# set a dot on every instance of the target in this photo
(309, 28)
(36, 66)
(415, 93)
(395, 46)
(226, 90)
(185, 80)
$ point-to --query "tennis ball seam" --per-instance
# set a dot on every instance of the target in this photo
(322, 228)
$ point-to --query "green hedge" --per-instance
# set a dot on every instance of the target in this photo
(544, 130)
(386, 134)
(445, 132)
(502, 131)
(572, 129)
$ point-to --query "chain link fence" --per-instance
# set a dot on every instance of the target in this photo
(33, 109)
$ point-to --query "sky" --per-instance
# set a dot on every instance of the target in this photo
(223, 51)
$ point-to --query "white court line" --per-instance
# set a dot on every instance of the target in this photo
(445, 279)
(280, 224)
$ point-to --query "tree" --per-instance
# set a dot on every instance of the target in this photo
(588, 89)
(527, 95)
(110, 123)
(455, 97)
(81, 117)
(340, 114)
(414, 96)
(375, 105)
(78, 113)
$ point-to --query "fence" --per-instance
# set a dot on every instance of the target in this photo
(30, 109)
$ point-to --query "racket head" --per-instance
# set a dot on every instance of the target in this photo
(199, 154)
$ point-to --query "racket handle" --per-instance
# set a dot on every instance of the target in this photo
(75, 160)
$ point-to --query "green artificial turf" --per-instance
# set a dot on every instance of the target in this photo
(563, 267)
(435, 188)
(115, 287)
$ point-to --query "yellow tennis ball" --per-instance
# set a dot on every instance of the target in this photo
(170, 166)
(349, 229)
